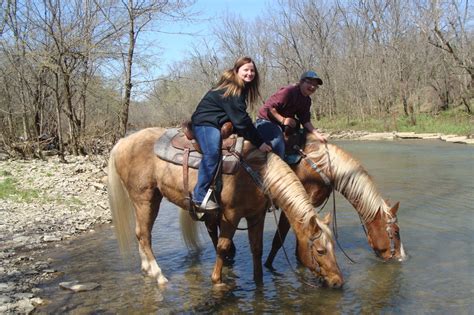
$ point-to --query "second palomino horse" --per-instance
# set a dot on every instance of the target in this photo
(324, 166)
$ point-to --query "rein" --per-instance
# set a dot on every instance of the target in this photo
(392, 220)
(256, 178)
(327, 181)
(239, 228)
(258, 181)
(310, 245)
(313, 165)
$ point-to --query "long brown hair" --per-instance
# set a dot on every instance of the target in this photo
(234, 85)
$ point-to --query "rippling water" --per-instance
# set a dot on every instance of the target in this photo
(433, 180)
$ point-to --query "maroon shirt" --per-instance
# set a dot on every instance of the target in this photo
(289, 102)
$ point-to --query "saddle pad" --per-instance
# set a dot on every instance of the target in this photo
(165, 151)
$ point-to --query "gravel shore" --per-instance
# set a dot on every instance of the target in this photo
(53, 202)
(387, 136)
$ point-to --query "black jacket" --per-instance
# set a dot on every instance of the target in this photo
(214, 110)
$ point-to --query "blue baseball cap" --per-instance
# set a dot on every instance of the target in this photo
(311, 75)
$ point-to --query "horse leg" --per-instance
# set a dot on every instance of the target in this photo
(255, 234)
(145, 215)
(224, 244)
(278, 239)
(212, 226)
(232, 250)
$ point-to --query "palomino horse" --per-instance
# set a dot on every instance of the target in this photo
(139, 180)
(326, 165)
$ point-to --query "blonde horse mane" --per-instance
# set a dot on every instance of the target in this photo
(351, 180)
(282, 184)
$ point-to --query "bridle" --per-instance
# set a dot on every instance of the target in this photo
(259, 183)
(329, 184)
(310, 244)
(392, 220)
(311, 241)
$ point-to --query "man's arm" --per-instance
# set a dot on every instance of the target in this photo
(309, 126)
(284, 121)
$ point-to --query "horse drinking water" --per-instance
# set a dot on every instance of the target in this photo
(138, 180)
(325, 166)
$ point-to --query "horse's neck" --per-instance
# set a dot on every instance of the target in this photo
(286, 190)
(351, 180)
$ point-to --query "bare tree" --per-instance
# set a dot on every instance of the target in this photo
(206, 59)
(318, 31)
(445, 25)
(71, 68)
(139, 15)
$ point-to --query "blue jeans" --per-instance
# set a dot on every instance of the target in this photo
(209, 139)
(272, 133)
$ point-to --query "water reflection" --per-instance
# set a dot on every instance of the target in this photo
(433, 181)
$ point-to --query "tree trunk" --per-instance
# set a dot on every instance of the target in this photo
(58, 118)
(128, 80)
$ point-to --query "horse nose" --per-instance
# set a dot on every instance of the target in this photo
(335, 282)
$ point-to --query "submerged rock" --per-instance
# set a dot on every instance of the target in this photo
(79, 287)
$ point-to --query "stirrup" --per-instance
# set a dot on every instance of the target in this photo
(208, 204)
(193, 210)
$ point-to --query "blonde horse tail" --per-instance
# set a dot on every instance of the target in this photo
(189, 231)
(120, 206)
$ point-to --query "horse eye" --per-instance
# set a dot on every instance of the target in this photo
(397, 235)
(321, 251)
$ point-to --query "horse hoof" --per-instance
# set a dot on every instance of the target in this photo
(162, 280)
(228, 261)
(221, 287)
(269, 266)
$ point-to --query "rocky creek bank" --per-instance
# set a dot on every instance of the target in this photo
(50, 203)
(376, 136)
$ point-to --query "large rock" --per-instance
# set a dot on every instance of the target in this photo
(378, 136)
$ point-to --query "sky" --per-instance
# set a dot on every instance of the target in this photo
(176, 46)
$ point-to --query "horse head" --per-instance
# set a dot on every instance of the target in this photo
(316, 251)
(383, 234)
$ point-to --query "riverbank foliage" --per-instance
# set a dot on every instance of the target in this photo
(448, 123)
(78, 87)
(10, 189)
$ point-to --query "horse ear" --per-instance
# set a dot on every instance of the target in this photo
(327, 218)
(394, 209)
(314, 224)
